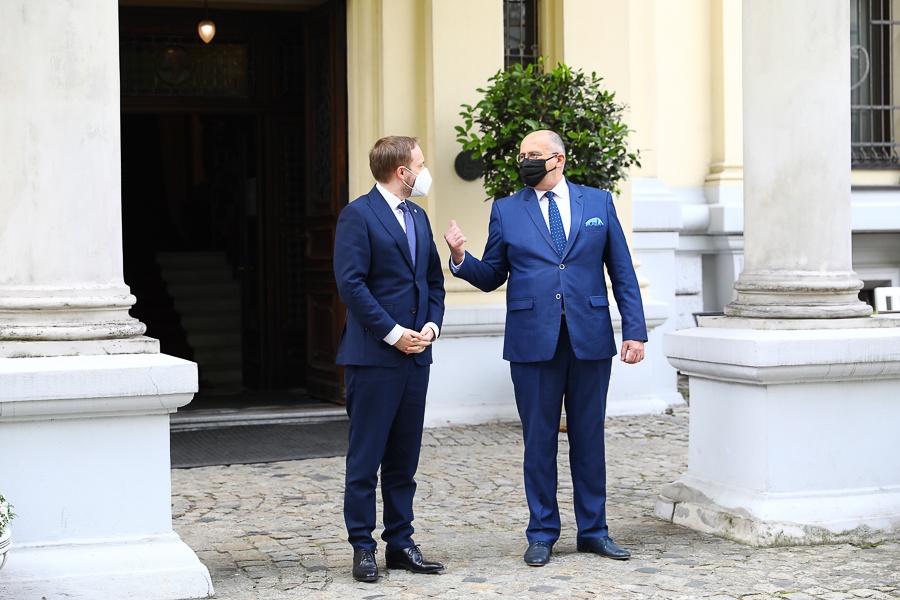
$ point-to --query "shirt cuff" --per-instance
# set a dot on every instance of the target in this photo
(397, 332)
(394, 336)
(455, 267)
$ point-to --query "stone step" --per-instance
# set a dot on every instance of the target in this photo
(179, 261)
(207, 275)
(216, 357)
(226, 338)
(222, 374)
(215, 321)
(219, 289)
(220, 305)
(207, 297)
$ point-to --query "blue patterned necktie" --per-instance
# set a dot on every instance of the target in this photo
(556, 227)
(410, 230)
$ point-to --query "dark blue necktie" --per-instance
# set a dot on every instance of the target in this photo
(556, 227)
(410, 230)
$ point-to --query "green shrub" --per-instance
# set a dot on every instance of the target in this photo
(521, 100)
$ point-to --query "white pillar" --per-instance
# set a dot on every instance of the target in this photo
(797, 259)
(61, 242)
(793, 410)
(84, 396)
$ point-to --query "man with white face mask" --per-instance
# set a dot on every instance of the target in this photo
(389, 276)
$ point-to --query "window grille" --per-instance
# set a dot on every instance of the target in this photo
(874, 116)
(520, 32)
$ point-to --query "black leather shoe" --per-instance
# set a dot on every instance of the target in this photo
(364, 566)
(605, 547)
(411, 559)
(538, 554)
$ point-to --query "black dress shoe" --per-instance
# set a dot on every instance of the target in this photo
(604, 547)
(411, 559)
(364, 566)
(538, 554)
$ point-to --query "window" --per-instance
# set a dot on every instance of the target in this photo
(520, 32)
(874, 118)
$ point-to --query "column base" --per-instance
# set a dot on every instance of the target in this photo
(798, 295)
(161, 568)
(686, 503)
(39, 349)
(792, 433)
(99, 313)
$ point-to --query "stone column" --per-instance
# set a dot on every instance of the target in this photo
(793, 394)
(797, 259)
(84, 396)
(61, 287)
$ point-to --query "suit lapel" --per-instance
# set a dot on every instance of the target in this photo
(384, 213)
(533, 208)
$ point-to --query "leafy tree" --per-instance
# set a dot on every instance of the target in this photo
(521, 100)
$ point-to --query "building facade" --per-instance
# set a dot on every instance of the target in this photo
(169, 205)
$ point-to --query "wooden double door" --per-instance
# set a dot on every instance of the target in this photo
(238, 148)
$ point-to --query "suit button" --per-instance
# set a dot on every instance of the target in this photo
(413, 310)
(559, 296)
(561, 267)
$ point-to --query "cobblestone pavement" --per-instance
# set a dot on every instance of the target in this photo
(273, 531)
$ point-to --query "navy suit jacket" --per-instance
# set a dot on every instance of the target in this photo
(519, 247)
(378, 283)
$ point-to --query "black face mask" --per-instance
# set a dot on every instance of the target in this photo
(533, 170)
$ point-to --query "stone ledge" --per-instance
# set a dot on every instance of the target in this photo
(873, 322)
(150, 568)
(784, 348)
(82, 386)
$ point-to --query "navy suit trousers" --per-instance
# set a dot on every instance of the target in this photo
(540, 388)
(386, 406)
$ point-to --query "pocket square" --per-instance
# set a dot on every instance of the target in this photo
(593, 222)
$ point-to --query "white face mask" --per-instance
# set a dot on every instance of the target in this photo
(422, 183)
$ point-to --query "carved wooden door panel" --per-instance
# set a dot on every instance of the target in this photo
(326, 151)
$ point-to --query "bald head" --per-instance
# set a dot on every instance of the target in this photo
(546, 139)
(546, 144)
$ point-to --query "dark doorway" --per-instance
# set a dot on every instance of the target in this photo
(233, 172)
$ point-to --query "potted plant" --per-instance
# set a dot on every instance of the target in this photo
(521, 100)
(6, 515)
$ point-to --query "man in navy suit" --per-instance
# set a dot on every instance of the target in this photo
(551, 240)
(389, 276)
